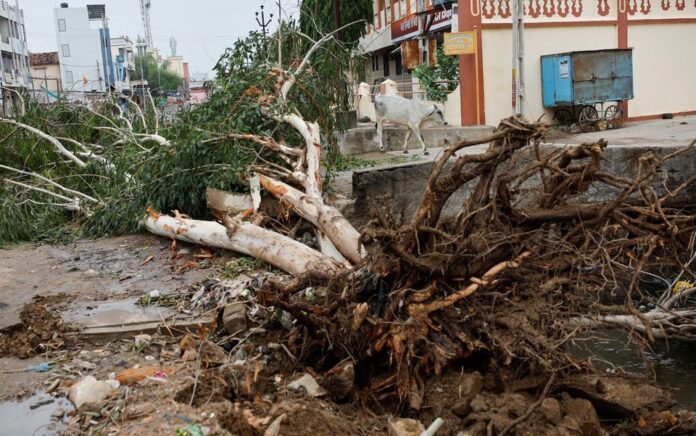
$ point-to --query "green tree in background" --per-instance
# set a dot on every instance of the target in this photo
(165, 82)
(317, 18)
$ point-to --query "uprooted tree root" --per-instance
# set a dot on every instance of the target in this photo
(508, 280)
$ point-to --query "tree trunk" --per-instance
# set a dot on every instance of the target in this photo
(329, 220)
(278, 250)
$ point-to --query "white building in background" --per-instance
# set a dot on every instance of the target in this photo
(84, 48)
(14, 57)
(122, 52)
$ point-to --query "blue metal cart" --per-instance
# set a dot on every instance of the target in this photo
(578, 85)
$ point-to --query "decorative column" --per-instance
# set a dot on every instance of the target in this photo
(471, 66)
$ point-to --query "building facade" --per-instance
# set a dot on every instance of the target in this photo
(661, 34)
(84, 49)
(178, 66)
(45, 76)
(403, 35)
(122, 53)
(14, 57)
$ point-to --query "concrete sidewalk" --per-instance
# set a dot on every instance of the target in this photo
(676, 132)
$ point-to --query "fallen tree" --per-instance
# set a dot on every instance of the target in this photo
(525, 262)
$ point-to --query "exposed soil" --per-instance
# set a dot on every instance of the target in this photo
(41, 330)
(241, 386)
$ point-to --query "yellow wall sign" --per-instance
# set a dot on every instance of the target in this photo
(460, 43)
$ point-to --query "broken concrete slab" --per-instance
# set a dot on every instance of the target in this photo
(234, 318)
(124, 319)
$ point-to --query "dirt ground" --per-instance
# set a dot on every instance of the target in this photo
(84, 271)
(240, 384)
(92, 270)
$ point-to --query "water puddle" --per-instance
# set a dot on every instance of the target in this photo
(671, 365)
(32, 416)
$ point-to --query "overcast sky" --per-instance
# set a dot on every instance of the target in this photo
(202, 28)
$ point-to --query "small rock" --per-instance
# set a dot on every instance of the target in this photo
(190, 355)
(462, 408)
(550, 408)
(150, 358)
(479, 404)
(184, 251)
(517, 405)
(309, 384)
(234, 317)
(58, 413)
(287, 321)
(89, 390)
(404, 427)
(142, 341)
(471, 385)
(339, 380)
(86, 365)
(154, 294)
(91, 273)
(581, 416)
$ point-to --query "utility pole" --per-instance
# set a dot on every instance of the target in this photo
(280, 36)
(518, 92)
(263, 24)
(337, 18)
(101, 88)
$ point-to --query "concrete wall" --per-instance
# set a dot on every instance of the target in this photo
(497, 63)
(664, 65)
(398, 188)
(82, 36)
(46, 77)
(662, 34)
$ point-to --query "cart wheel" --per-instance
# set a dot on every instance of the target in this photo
(614, 116)
(587, 118)
(563, 116)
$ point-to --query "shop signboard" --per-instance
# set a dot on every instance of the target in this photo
(438, 19)
(405, 28)
(460, 43)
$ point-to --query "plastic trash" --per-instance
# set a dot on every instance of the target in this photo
(41, 367)
(90, 390)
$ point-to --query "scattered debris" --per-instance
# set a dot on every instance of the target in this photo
(41, 367)
(89, 390)
(142, 341)
(404, 427)
(308, 384)
(234, 318)
(134, 375)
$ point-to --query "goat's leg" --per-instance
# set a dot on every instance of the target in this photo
(416, 130)
(380, 129)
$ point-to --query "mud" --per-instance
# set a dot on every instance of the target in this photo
(93, 270)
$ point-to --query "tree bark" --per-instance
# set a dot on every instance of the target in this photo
(280, 251)
(329, 220)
